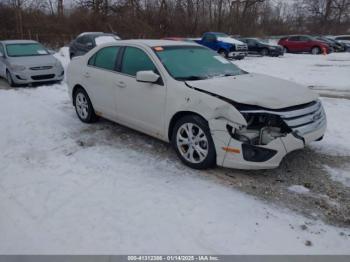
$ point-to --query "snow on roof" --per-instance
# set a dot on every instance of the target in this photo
(19, 41)
(106, 39)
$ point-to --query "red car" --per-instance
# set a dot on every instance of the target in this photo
(303, 43)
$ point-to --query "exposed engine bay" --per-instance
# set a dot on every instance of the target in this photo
(261, 129)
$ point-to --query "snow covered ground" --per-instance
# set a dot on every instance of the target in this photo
(67, 187)
(319, 72)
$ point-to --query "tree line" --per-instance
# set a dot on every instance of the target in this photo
(56, 22)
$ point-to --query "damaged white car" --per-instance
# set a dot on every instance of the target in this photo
(211, 111)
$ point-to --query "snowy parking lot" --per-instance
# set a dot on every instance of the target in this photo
(67, 187)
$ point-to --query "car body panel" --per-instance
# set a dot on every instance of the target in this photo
(41, 68)
(85, 42)
(247, 89)
(151, 107)
(302, 43)
(234, 48)
(255, 46)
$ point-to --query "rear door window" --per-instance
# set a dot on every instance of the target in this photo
(294, 38)
(136, 60)
(105, 58)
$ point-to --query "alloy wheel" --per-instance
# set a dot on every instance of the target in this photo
(315, 51)
(82, 105)
(192, 143)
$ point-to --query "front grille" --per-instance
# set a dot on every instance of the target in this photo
(241, 47)
(40, 68)
(43, 77)
(306, 120)
(302, 119)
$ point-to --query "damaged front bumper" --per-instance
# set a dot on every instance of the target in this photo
(306, 124)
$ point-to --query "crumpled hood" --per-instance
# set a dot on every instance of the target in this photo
(256, 89)
(33, 61)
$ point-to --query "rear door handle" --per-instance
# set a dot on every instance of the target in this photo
(121, 84)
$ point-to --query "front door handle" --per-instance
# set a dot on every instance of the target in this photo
(121, 84)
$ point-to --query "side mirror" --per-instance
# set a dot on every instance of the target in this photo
(147, 76)
(51, 52)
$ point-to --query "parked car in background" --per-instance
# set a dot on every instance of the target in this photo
(87, 41)
(257, 46)
(26, 62)
(333, 44)
(211, 111)
(303, 43)
(345, 39)
(176, 38)
(225, 45)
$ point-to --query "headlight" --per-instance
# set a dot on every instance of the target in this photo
(18, 67)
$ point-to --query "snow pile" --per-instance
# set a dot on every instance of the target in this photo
(299, 189)
(71, 188)
(317, 71)
(339, 175)
(63, 56)
(105, 39)
(336, 140)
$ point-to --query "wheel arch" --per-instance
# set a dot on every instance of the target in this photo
(176, 117)
(75, 89)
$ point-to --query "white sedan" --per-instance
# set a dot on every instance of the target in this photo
(212, 112)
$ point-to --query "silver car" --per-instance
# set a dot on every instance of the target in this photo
(26, 62)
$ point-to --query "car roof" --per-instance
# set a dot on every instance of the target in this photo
(95, 34)
(154, 42)
(18, 42)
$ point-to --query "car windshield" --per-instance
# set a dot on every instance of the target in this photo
(195, 63)
(30, 49)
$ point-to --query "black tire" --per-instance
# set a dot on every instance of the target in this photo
(264, 52)
(210, 159)
(89, 115)
(315, 50)
(10, 79)
(223, 53)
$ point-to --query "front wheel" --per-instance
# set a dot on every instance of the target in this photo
(83, 106)
(223, 53)
(264, 52)
(10, 79)
(193, 143)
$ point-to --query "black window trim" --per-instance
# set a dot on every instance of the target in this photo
(121, 59)
(119, 62)
(100, 68)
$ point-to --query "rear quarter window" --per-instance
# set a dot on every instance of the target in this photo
(105, 58)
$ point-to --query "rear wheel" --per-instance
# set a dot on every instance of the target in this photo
(83, 106)
(193, 143)
(315, 50)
